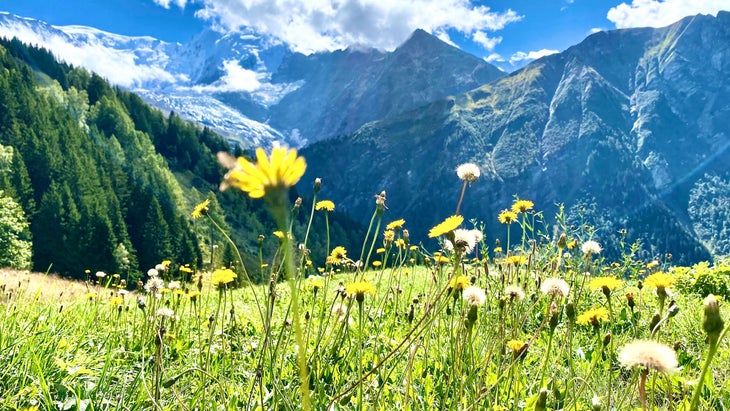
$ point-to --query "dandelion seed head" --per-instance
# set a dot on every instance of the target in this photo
(650, 354)
(468, 172)
(591, 247)
(555, 287)
(474, 295)
(514, 292)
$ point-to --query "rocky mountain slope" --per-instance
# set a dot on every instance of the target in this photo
(628, 129)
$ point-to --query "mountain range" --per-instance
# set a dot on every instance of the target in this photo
(628, 129)
(256, 91)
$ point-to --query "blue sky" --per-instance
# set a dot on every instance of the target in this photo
(508, 33)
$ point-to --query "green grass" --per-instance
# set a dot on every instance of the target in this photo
(412, 344)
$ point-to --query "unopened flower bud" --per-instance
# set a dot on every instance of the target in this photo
(317, 185)
(711, 321)
(541, 402)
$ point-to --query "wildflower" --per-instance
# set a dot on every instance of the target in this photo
(165, 313)
(326, 205)
(377, 264)
(152, 272)
(514, 292)
(400, 243)
(388, 236)
(507, 217)
(464, 240)
(446, 226)
(340, 309)
(395, 225)
(160, 267)
(468, 172)
(315, 282)
(478, 235)
(474, 295)
(116, 300)
(556, 287)
(154, 285)
(223, 276)
(593, 316)
(90, 296)
(605, 284)
(522, 206)
(358, 290)
(518, 347)
(173, 285)
(100, 274)
(380, 250)
(337, 255)
(413, 248)
(201, 209)
(193, 295)
(141, 302)
(440, 259)
(516, 259)
(659, 280)
(591, 247)
(711, 321)
(459, 283)
(186, 269)
(649, 354)
(282, 170)
(279, 234)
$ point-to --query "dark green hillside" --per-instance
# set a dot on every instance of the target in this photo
(108, 183)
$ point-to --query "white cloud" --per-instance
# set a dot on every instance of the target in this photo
(521, 56)
(594, 30)
(659, 13)
(316, 25)
(444, 36)
(166, 3)
(118, 66)
(488, 43)
(495, 58)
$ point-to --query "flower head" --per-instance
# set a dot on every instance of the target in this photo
(201, 209)
(395, 225)
(468, 172)
(326, 205)
(659, 280)
(648, 354)
(223, 276)
(446, 226)
(522, 206)
(165, 313)
(591, 247)
(474, 295)
(514, 292)
(154, 285)
(593, 316)
(516, 260)
(358, 290)
(459, 283)
(507, 217)
(556, 287)
(605, 284)
(465, 240)
(282, 170)
(337, 255)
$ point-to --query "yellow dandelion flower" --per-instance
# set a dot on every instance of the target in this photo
(459, 283)
(448, 225)
(358, 290)
(515, 259)
(522, 206)
(315, 282)
(279, 234)
(388, 236)
(400, 243)
(223, 276)
(395, 225)
(593, 316)
(193, 295)
(201, 209)
(380, 250)
(116, 300)
(507, 217)
(338, 255)
(439, 259)
(326, 205)
(515, 345)
(413, 248)
(603, 283)
(377, 264)
(186, 269)
(659, 280)
(282, 169)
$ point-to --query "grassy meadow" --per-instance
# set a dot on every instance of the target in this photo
(540, 321)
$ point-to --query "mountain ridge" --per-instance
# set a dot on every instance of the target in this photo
(604, 126)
